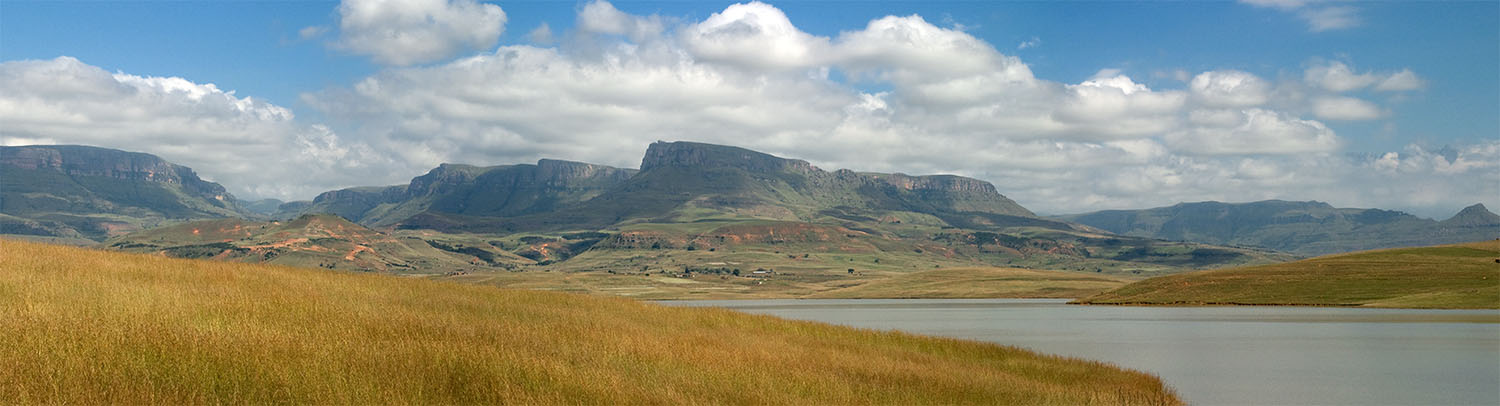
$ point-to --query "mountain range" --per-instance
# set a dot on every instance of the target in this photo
(690, 209)
(1306, 228)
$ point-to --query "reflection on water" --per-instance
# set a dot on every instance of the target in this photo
(1216, 355)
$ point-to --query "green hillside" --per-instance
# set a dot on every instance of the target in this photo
(93, 327)
(1448, 276)
(322, 241)
(1308, 228)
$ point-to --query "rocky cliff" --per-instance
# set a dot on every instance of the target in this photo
(76, 160)
(92, 193)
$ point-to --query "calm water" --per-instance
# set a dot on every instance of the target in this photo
(1217, 355)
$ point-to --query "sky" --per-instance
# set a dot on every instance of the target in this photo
(1065, 106)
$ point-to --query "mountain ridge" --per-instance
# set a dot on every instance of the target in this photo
(92, 193)
(1309, 228)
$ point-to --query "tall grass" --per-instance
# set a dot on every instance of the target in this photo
(1461, 276)
(82, 326)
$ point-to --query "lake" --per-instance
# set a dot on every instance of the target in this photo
(1215, 355)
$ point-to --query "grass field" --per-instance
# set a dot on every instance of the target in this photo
(93, 327)
(963, 283)
(1462, 276)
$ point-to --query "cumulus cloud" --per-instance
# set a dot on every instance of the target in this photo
(754, 34)
(406, 32)
(1344, 108)
(1230, 88)
(1336, 76)
(601, 17)
(1253, 131)
(252, 146)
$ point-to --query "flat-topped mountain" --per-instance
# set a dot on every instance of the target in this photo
(91, 193)
(1300, 227)
(678, 182)
(493, 191)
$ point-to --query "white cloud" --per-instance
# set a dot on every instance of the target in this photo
(1229, 88)
(1330, 18)
(601, 17)
(1316, 13)
(253, 147)
(1030, 43)
(1254, 131)
(1400, 81)
(542, 35)
(1335, 76)
(754, 34)
(1344, 108)
(406, 32)
(312, 31)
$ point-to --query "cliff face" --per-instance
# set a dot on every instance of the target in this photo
(879, 191)
(699, 155)
(504, 190)
(73, 160)
(556, 172)
(948, 183)
(93, 193)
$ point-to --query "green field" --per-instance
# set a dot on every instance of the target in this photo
(1461, 276)
(96, 327)
(979, 283)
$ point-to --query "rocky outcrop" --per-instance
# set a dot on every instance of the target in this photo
(78, 160)
(698, 155)
(949, 183)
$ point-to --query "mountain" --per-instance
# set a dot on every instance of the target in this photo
(1476, 216)
(1309, 228)
(495, 191)
(92, 193)
(265, 207)
(687, 182)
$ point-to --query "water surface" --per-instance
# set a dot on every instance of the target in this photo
(1216, 355)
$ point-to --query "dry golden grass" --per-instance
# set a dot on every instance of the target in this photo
(91, 327)
(965, 283)
(1460, 276)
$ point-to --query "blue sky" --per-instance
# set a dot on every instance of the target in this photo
(261, 50)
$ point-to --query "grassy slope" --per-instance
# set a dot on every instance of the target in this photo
(981, 283)
(83, 326)
(1449, 276)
